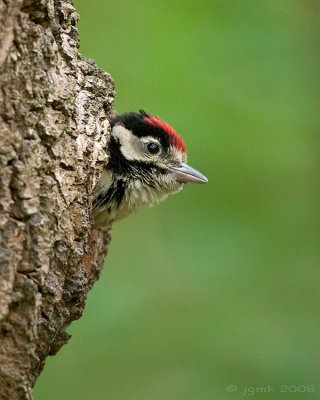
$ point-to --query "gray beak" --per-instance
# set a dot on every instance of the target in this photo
(184, 173)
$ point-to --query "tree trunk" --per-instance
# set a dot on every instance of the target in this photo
(54, 109)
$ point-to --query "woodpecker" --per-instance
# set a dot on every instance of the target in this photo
(147, 162)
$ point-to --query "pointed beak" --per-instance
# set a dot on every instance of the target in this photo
(184, 173)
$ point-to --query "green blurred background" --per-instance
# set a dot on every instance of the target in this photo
(218, 285)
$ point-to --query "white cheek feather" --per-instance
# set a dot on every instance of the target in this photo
(129, 144)
(138, 195)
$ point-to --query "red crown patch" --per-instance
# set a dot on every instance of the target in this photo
(174, 138)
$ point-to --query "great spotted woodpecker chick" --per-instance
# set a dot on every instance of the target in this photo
(147, 162)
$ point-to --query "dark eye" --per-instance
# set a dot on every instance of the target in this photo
(153, 148)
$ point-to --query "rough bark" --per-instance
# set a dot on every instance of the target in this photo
(54, 108)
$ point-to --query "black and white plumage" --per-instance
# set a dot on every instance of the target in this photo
(147, 162)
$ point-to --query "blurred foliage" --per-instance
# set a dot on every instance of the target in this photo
(219, 285)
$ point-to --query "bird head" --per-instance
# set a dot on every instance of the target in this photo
(147, 149)
(148, 161)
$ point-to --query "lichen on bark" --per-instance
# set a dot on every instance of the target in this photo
(54, 109)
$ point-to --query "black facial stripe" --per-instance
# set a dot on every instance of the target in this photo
(114, 194)
(117, 161)
(119, 191)
(139, 127)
